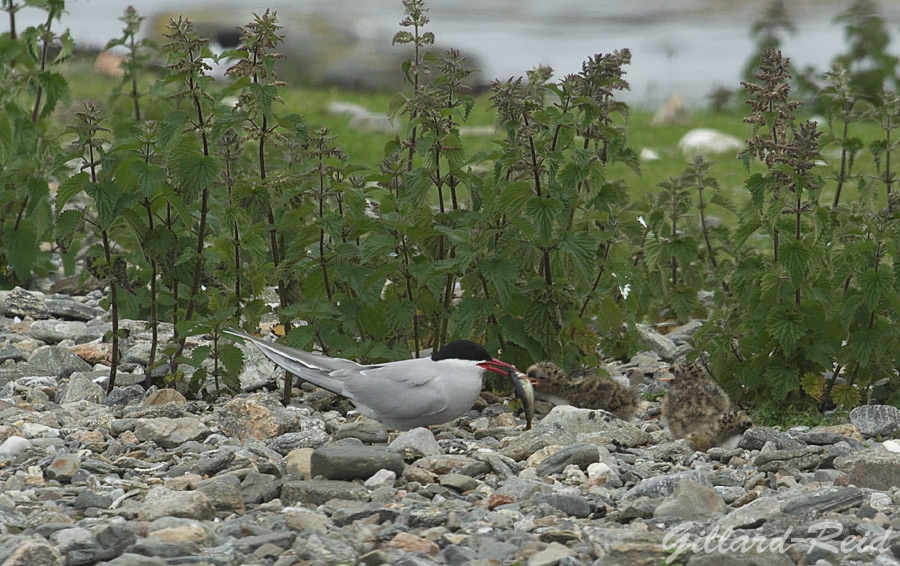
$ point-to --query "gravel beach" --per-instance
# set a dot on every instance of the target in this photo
(149, 478)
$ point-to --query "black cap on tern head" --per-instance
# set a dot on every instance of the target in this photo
(462, 350)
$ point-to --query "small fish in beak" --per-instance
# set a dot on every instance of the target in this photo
(525, 392)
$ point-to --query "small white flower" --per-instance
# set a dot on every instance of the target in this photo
(642, 221)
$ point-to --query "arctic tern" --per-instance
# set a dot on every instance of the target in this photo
(401, 395)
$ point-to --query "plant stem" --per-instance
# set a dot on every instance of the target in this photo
(843, 173)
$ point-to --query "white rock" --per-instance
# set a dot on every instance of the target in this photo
(381, 478)
(891, 445)
(34, 430)
(701, 141)
(648, 154)
(13, 446)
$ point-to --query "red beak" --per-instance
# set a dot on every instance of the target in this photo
(498, 366)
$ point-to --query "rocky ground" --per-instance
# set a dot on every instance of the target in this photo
(148, 478)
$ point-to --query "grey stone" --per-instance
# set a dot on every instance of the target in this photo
(366, 430)
(639, 508)
(317, 492)
(807, 458)
(27, 551)
(459, 482)
(328, 548)
(22, 303)
(248, 545)
(553, 555)
(871, 469)
(876, 420)
(664, 486)
(751, 515)
(55, 331)
(108, 543)
(169, 433)
(88, 499)
(259, 488)
(652, 340)
(225, 493)
(581, 454)
(416, 443)
(131, 559)
(70, 309)
(571, 505)
(521, 489)
(353, 462)
(285, 443)
(10, 352)
(121, 396)
(691, 501)
(138, 353)
(835, 499)
(163, 502)
(62, 467)
(543, 435)
(594, 425)
(81, 387)
(214, 464)
(735, 559)
(456, 555)
(757, 437)
(60, 361)
(625, 547)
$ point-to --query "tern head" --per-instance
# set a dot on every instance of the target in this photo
(472, 351)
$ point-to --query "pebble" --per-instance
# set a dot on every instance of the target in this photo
(152, 478)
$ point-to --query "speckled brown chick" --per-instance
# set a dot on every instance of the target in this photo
(728, 425)
(586, 392)
(698, 409)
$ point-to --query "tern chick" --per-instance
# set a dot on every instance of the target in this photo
(587, 392)
(698, 409)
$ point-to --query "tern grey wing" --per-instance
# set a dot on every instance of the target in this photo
(401, 390)
(293, 360)
(308, 359)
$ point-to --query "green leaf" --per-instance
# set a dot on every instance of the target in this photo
(543, 211)
(149, 177)
(231, 357)
(199, 354)
(845, 395)
(192, 170)
(787, 326)
(813, 385)
(581, 248)
(22, 249)
(794, 255)
(758, 186)
(875, 285)
(106, 195)
(69, 188)
(503, 274)
(66, 224)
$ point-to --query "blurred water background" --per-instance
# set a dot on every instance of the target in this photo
(690, 46)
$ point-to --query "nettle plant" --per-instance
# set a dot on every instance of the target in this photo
(191, 199)
(809, 313)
